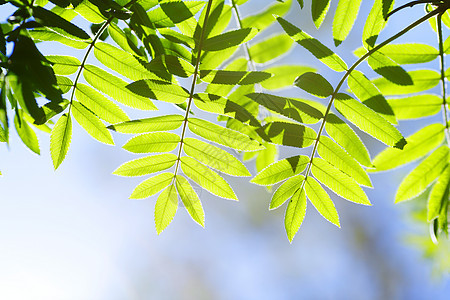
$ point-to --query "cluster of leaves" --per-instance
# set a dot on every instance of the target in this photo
(184, 53)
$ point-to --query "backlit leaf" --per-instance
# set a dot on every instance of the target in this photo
(206, 178)
(152, 142)
(295, 213)
(321, 201)
(161, 123)
(60, 139)
(286, 190)
(190, 200)
(214, 157)
(319, 9)
(416, 106)
(288, 134)
(344, 18)
(93, 126)
(417, 145)
(159, 90)
(222, 136)
(438, 194)
(320, 51)
(423, 175)
(368, 94)
(165, 208)
(281, 170)
(116, 88)
(314, 84)
(146, 165)
(338, 182)
(335, 155)
(151, 186)
(369, 121)
(422, 80)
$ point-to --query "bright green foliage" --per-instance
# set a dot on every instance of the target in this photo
(321, 201)
(338, 182)
(190, 200)
(369, 121)
(423, 175)
(295, 213)
(165, 208)
(208, 61)
(344, 18)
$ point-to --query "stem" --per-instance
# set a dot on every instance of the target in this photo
(443, 82)
(360, 60)
(91, 46)
(194, 79)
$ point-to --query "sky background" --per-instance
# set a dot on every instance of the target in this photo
(74, 234)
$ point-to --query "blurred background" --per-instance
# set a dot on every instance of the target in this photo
(74, 234)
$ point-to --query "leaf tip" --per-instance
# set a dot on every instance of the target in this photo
(400, 144)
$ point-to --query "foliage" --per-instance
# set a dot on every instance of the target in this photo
(187, 54)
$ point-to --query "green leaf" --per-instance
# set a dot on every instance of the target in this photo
(266, 157)
(233, 77)
(344, 18)
(416, 106)
(159, 90)
(335, 155)
(89, 11)
(121, 62)
(438, 194)
(115, 88)
(151, 186)
(91, 123)
(368, 94)
(288, 134)
(170, 13)
(422, 81)
(27, 135)
(423, 175)
(214, 157)
(389, 69)
(146, 165)
(270, 48)
(283, 76)
(47, 34)
(206, 178)
(60, 139)
(266, 17)
(295, 213)
(417, 146)
(190, 200)
(338, 182)
(170, 65)
(165, 208)
(153, 142)
(225, 107)
(50, 19)
(104, 108)
(314, 84)
(222, 136)
(229, 39)
(319, 9)
(161, 123)
(369, 121)
(123, 39)
(64, 65)
(320, 51)
(281, 170)
(321, 201)
(286, 190)
(411, 53)
(375, 22)
(291, 108)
